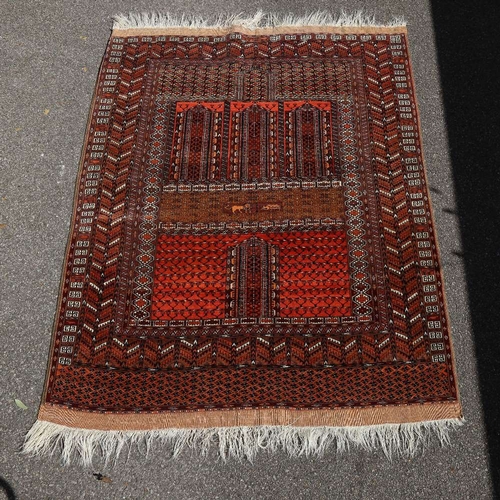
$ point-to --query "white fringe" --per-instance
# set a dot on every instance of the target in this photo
(258, 20)
(82, 445)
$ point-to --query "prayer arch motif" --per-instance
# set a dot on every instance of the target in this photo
(253, 141)
(252, 281)
(308, 139)
(197, 141)
(266, 140)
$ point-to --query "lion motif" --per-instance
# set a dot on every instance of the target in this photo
(240, 208)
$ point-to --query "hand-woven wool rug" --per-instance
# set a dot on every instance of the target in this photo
(252, 259)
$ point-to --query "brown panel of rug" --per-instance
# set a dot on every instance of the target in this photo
(251, 206)
(252, 243)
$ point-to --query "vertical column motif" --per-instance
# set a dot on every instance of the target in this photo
(196, 151)
(253, 279)
(253, 141)
(308, 139)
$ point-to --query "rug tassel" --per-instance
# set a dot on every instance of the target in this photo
(258, 20)
(83, 445)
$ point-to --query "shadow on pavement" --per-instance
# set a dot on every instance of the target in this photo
(6, 488)
(468, 47)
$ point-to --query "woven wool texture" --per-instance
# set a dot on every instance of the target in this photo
(252, 241)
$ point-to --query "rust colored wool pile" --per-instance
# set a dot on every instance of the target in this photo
(252, 255)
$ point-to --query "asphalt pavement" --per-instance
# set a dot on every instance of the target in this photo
(50, 53)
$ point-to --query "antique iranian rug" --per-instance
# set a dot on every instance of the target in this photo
(252, 259)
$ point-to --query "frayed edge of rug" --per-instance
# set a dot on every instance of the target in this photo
(83, 445)
(258, 20)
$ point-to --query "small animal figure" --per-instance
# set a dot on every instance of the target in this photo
(272, 206)
(240, 208)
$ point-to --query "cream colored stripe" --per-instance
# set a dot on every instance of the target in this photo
(291, 30)
(340, 417)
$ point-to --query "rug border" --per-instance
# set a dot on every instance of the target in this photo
(67, 251)
(434, 228)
